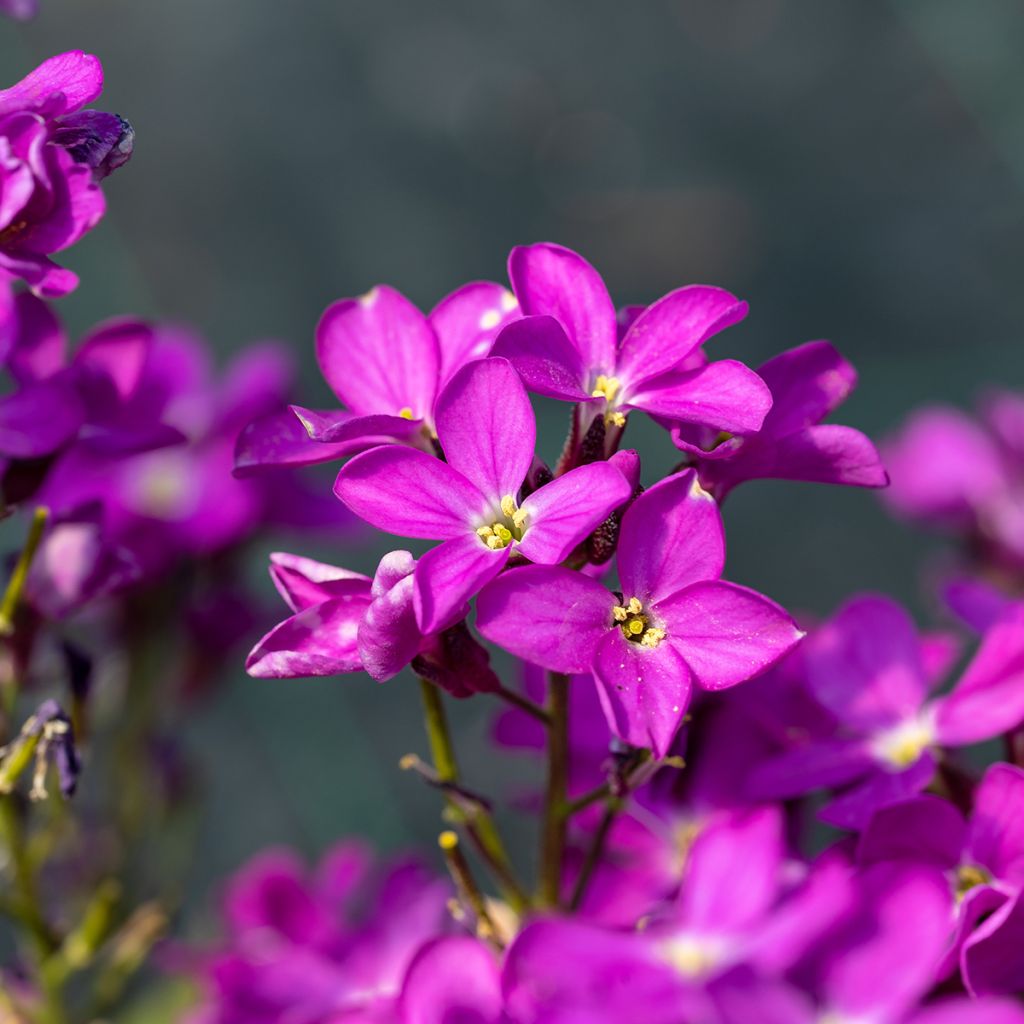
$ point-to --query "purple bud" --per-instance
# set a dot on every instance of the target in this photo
(103, 141)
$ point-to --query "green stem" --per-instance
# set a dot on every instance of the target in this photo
(478, 822)
(594, 796)
(595, 852)
(16, 585)
(523, 703)
(553, 834)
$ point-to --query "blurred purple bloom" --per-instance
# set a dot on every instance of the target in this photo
(675, 620)
(454, 979)
(387, 363)
(868, 667)
(485, 427)
(20, 10)
(52, 155)
(567, 346)
(807, 384)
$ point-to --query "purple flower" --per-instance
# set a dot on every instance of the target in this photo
(983, 859)
(567, 347)
(20, 10)
(452, 979)
(345, 622)
(471, 501)
(387, 363)
(807, 383)
(674, 622)
(868, 667)
(52, 153)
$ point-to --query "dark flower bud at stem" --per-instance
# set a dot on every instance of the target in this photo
(457, 663)
(592, 445)
(103, 141)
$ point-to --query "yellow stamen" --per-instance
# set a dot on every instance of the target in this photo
(606, 387)
(508, 506)
(652, 637)
(615, 419)
(619, 613)
(968, 876)
(405, 413)
(635, 625)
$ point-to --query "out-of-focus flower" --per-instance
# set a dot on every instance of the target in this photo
(387, 363)
(20, 10)
(674, 622)
(807, 383)
(471, 501)
(52, 155)
(567, 346)
(868, 667)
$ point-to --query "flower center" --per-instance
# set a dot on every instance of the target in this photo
(500, 533)
(901, 746)
(11, 232)
(607, 388)
(406, 413)
(635, 624)
(692, 957)
(968, 876)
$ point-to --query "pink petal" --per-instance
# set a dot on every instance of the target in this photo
(816, 765)
(449, 575)
(547, 360)
(672, 328)
(995, 838)
(411, 494)
(724, 396)
(924, 828)
(644, 691)
(388, 636)
(336, 426)
(451, 979)
(726, 633)
(550, 280)
(993, 956)
(76, 75)
(117, 351)
(485, 425)
(279, 439)
(546, 614)
(379, 354)
(303, 582)
(40, 343)
(854, 808)
(671, 537)
(468, 320)
(563, 512)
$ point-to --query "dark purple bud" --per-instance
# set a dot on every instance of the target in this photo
(103, 141)
(457, 663)
(538, 476)
(601, 543)
(592, 445)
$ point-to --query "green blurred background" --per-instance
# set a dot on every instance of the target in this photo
(854, 170)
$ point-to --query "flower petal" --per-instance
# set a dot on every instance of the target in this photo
(38, 419)
(550, 280)
(335, 426)
(989, 699)
(379, 354)
(486, 427)
(451, 979)
(544, 356)
(388, 637)
(318, 641)
(409, 493)
(546, 614)
(724, 396)
(993, 956)
(816, 765)
(726, 633)
(303, 582)
(673, 327)
(279, 439)
(468, 320)
(671, 537)
(563, 512)
(77, 76)
(644, 691)
(449, 575)
(995, 837)
(924, 829)
(854, 808)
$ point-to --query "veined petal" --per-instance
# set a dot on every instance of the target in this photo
(318, 641)
(644, 691)
(486, 427)
(468, 320)
(336, 426)
(545, 357)
(546, 614)
(388, 637)
(449, 575)
(724, 396)
(561, 513)
(77, 76)
(989, 699)
(279, 439)
(303, 582)
(807, 383)
(995, 836)
(379, 354)
(409, 493)
(726, 633)
(865, 665)
(671, 537)
(673, 327)
(550, 280)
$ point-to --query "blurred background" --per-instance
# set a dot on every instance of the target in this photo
(855, 171)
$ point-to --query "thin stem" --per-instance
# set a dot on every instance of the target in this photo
(477, 820)
(594, 796)
(595, 852)
(523, 703)
(553, 835)
(467, 888)
(16, 585)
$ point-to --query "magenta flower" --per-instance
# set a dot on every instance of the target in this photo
(52, 153)
(674, 622)
(387, 363)
(20, 10)
(983, 859)
(867, 666)
(486, 429)
(452, 979)
(807, 383)
(345, 622)
(567, 347)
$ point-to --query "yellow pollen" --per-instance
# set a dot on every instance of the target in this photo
(902, 746)
(652, 637)
(405, 413)
(691, 957)
(968, 876)
(508, 506)
(605, 387)
(635, 625)
(615, 419)
(634, 607)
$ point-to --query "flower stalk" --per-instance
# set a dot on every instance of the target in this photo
(555, 806)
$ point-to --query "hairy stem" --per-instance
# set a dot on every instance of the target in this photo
(553, 835)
